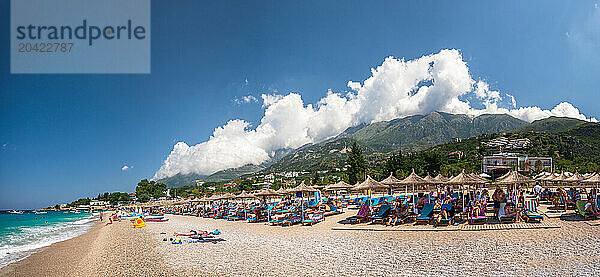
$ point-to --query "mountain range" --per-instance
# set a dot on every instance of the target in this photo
(380, 139)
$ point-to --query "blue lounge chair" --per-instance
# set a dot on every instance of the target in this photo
(384, 212)
(425, 215)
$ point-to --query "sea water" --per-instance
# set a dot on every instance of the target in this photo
(22, 234)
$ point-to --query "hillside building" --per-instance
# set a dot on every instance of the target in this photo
(498, 164)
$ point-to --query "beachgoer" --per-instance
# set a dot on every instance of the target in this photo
(590, 207)
(510, 210)
(497, 197)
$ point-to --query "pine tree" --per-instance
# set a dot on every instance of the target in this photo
(357, 164)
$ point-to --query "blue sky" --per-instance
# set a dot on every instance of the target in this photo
(68, 136)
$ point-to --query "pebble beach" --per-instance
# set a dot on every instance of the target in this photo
(262, 250)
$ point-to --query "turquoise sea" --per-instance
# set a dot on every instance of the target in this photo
(22, 234)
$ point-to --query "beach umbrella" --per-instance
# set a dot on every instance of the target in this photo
(560, 178)
(226, 196)
(317, 187)
(244, 196)
(513, 178)
(432, 181)
(370, 184)
(441, 178)
(465, 179)
(266, 193)
(575, 178)
(414, 180)
(594, 179)
(391, 181)
(302, 188)
(341, 185)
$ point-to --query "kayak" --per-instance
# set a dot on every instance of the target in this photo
(157, 219)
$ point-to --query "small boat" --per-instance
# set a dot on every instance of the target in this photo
(15, 212)
(157, 219)
(40, 212)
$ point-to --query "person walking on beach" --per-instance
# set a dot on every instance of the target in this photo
(497, 197)
(537, 191)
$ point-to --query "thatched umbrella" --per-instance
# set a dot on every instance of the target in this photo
(391, 181)
(227, 196)
(465, 179)
(369, 185)
(431, 180)
(575, 178)
(442, 178)
(513, 178)
(560, 178)
(341, 185)
(414, 180)
(317, 187)
(244, 196)
(302, 188)
(266, 193)
(593, 179)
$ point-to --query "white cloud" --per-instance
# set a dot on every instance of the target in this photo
(245, 99)
(396, 88)
(126, 167)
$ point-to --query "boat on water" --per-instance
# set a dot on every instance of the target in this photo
(40, 212)
(15, 212)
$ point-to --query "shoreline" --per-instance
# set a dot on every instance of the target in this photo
(39, 255)
(110, 250)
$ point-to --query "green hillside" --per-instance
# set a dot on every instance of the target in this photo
(552, 125)
(327, 155)
(380, 139)
(422, 131)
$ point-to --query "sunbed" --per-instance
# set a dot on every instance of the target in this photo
(292, 219)
(334, 210)
(478, 218)
(530, 212)
(425, 215)
(582, 212)
(502, 215)
(448, 208)
(313, 218)
(384, 212)
(362, 215)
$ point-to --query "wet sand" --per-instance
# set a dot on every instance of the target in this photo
(113, 250)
